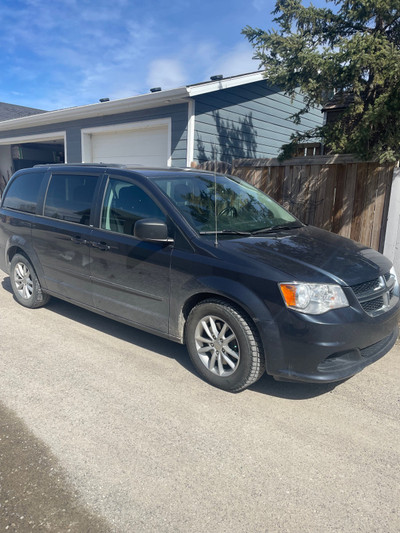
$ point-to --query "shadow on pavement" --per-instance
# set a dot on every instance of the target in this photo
(266, 385)
(34, 493)
(291, 391)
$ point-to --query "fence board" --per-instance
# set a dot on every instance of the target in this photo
(348, 192)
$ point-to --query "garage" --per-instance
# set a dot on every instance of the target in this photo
(142, 143)
(25, 152)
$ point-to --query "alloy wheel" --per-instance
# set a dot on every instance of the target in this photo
(23, 281)
(217, 346)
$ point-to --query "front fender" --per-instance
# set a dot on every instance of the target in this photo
(238, 293)
(185, 296)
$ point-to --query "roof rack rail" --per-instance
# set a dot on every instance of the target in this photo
(116, 165)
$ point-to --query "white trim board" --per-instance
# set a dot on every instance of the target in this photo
(190, 133)
(39, 137)
(224, 83)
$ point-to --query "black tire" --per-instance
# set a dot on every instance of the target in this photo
(25, 283)
(224, 346)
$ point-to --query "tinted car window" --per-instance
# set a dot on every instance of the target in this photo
(69, 197)
(23, 192)
(237, 205)
(125, 204)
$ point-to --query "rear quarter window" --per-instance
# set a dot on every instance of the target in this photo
(23, 192)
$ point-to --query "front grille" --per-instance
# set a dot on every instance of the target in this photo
(373, 305)
(376, 296)
(366, 287)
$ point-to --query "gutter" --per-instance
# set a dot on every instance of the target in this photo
(123, 105)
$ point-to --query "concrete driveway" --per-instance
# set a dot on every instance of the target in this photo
(106, 428)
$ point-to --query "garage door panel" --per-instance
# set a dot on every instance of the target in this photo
(147, 146)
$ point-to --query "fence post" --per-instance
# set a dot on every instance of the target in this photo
(392, 240)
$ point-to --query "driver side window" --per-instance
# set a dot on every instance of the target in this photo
(124, 204)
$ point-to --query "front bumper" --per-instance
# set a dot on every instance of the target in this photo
(329, 347)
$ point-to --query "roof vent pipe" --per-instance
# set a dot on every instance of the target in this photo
(155, 89)
(217, 77)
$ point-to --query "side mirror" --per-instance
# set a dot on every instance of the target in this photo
(152, 230)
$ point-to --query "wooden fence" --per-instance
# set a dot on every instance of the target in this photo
(338, 193)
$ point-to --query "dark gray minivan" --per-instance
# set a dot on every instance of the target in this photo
(201, 259)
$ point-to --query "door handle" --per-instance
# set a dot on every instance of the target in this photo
(77, 239)
(100, 245)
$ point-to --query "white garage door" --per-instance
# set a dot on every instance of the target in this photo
(147, 146)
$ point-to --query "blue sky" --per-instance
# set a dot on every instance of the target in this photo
(63, 53)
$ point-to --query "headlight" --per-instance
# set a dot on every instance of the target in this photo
(313, 298)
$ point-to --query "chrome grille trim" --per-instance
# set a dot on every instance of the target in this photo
(375, 296)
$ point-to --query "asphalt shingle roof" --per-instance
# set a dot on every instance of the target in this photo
(10, 111)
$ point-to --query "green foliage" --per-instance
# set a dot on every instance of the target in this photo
(350, 49)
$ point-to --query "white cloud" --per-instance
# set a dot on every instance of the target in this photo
(166, 73)
(237, 61)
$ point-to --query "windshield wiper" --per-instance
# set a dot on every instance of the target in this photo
(225, 232)
(277, 227)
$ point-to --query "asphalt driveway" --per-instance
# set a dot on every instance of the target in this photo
(106, 428)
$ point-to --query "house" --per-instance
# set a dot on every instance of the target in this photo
(335, 106)
(221, 119)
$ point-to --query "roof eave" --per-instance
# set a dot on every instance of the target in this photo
(123, 105)
(224, 83)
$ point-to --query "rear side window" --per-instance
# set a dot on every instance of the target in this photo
(69, 197)
(23, 192)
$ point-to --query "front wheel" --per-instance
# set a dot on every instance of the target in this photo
(224, 346)
(25, 284)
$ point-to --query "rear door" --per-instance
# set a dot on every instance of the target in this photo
(62, 235)
(130, 277)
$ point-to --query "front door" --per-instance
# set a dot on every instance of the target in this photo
(130, 277)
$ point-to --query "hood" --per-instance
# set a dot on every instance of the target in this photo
(310, 254)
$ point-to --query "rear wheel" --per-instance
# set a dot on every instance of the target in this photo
(25, 284)
(224, 346)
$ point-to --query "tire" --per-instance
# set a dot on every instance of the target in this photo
(223, 345)
(25, 283)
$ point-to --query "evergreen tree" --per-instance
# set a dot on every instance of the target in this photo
(350, 49)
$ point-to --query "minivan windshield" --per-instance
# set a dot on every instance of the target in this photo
(224, 204)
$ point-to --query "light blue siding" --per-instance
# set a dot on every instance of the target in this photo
(251, 121)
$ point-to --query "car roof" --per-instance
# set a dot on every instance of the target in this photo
(149, 172)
